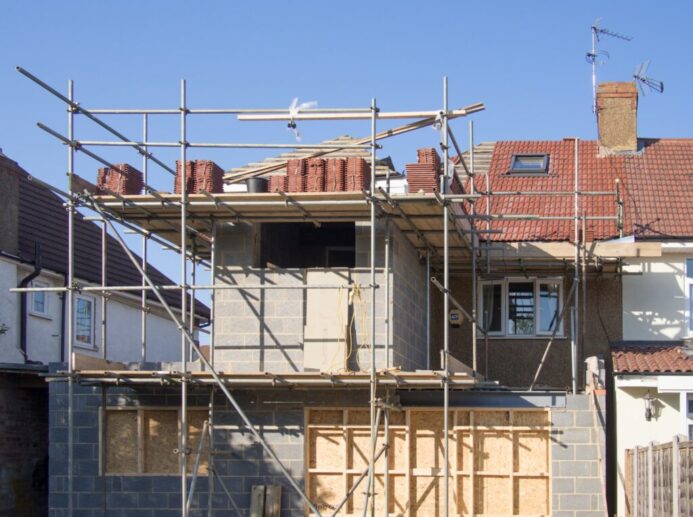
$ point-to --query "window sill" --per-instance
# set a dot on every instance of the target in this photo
(41, 315)
(92, 348)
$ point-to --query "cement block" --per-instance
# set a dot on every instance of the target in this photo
(575, 502)
(588, 485)
(577, 402)
(586, 452)
(563, 485)
(562, 418)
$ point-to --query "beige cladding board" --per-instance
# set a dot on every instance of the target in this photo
(560, 250)
(324, 333)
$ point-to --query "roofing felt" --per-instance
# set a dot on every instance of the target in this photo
(656, 184)
(43, 219)
(651, 357)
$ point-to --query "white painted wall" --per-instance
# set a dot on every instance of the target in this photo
(43, 332)
(655, 302)
(633, 430)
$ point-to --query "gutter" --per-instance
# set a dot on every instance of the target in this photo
(22, 301)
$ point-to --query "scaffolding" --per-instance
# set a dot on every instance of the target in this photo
(448, 230)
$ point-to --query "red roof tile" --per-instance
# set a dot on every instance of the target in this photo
(657, 190)
(651, 358)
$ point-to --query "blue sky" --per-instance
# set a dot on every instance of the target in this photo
(524, 60)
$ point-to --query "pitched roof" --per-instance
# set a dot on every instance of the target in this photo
(43, 219)
(650, 357)
(657, 188)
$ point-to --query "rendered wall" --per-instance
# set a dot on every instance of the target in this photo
(661, 314)
(632, 429)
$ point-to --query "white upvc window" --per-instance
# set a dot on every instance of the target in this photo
(84, 321)
(39, 300)
(521, 307)
(688, 289)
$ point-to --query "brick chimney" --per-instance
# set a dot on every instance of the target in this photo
(617, 111)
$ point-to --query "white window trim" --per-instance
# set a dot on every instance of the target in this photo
(46, 313)
(688, 296)
(537, 281)
(92, 344)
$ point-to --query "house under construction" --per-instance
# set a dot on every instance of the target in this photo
(372, 350)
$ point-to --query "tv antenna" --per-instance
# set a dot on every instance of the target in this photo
(599, 57)
(643, 79)
(294, 109)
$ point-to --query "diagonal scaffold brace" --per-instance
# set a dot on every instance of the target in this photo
(207, 363)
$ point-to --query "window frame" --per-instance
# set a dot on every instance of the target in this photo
(92, 333)
(46, 312)
(543, 170)
(505, 301)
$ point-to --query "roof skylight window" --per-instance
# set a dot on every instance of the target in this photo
(529, 164)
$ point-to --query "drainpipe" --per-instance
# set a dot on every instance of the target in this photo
(22, 299)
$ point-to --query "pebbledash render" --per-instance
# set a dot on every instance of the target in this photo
(436, 351)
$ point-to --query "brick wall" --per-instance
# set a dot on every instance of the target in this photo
(23, 445)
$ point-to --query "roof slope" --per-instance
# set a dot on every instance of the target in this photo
(650, 357)
(43, 219)
(657, 190)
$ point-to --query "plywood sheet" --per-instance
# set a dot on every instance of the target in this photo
(493, 494)
(465, 489)
(531, 496)
(427, 443)
(492, 418)
(531, 451)
(465, 451)
(327, 449)
(493, 451)
(196, 421)
(325, 417)
(121, 442)
(531, 418)
(397, 494)
(326, 491)
(397, 453)
(160, 439)
(360, 448)
(427, 496)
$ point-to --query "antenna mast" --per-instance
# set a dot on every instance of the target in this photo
(593, 57)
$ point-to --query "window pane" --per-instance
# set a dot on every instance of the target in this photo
(689, 268)
(548, 307)
(83, 320)
(521, 308)
(491, 307)
(39, 302)
(690, 307)
(529, 163)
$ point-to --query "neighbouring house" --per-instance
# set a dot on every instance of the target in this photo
(653, 391)
(540, 282)
(33, 253)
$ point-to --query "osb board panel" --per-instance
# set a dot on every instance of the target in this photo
(326, 417)
(493, 495)
(465, 451)
(493, 451)
(397, 452)
(160, 439)
(531, 418)
(121, 437)
(428, 496)
(326, 491)
(491, 418)
(465, 488)
(360, 449)
(398, 495)
(326, 449)
(196, 421)
(531, 451)
(427, 449)
(531, 496)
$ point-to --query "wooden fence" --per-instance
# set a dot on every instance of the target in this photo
(659, 479)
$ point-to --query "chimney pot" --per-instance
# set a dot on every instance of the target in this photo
(617, 110)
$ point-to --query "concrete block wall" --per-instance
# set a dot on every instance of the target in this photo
(263, 330)
(577, 472)
(240, 459)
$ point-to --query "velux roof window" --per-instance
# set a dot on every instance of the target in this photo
(529, 164)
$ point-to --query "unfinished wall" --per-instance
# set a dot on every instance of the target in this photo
(513, 361)
(9, 208)
(23, 445)
(279, 415)
(265, 330)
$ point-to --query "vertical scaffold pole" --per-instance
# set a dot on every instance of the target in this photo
(576, 274)
(373, 391)
(145, 239)
(446, 303)
(104, 295)
(474, 240)
(183, 451)
(210, 416)
(70, 298)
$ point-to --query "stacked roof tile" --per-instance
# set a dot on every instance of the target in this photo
(122, 179)
(200, 175)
